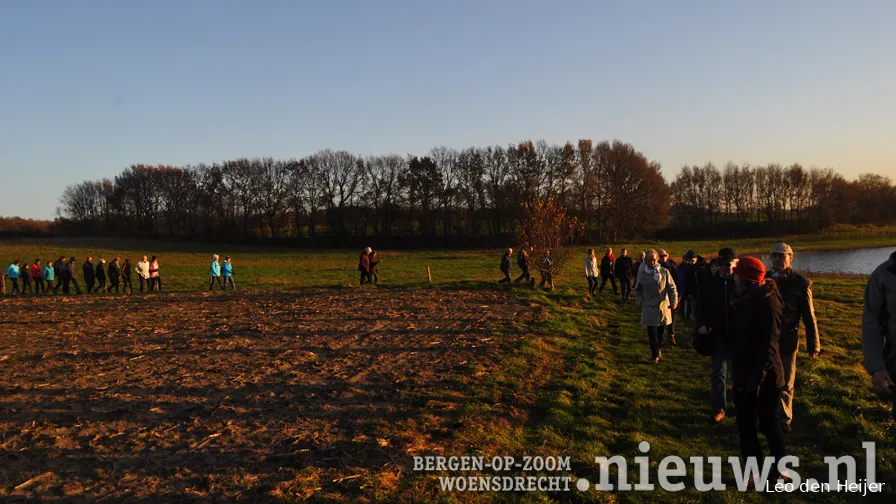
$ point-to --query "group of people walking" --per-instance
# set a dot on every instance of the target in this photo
(62, 274)
(368, 265)
(220, 273)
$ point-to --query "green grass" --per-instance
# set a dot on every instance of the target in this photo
(582, 384)
(184, 265)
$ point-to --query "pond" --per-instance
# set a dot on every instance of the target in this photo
(859, 261)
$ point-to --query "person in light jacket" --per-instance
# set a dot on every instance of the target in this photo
(12, 273)
(49, 274)
(143, 272)
(227, 273)
(591, 271)
(655, 291)
(214, 273)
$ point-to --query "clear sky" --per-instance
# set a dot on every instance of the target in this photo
(88, 88)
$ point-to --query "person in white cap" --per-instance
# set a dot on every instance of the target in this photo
(796, 291)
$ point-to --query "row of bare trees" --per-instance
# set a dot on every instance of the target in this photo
(775, 198)
(473, 196)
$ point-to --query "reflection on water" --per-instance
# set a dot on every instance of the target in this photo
(859, 261)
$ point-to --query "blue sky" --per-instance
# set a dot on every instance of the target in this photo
(88, 88)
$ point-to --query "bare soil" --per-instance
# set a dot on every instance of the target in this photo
(260, 397)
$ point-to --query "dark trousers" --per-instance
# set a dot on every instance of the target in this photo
(40, 285)
(523, 276)
(655, 337)
(228, 281)
(506, 278)
(376, 278)
(671, 327)
(91, 282)
(113, 284)
(366, 277)
(155, 282)
(126, 284)
(212, 280)
(30, 286)
(143, 281)
(761, 404)
(719, 379)
(15, 286)
(612, 280)
(592, 284)
(58, 284)
(101, 285)
(625, 285)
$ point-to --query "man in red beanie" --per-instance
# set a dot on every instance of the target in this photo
(758, 373)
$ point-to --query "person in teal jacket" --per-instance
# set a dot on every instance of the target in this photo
(49, 275)
(227, 272)
(12, 273)
(214, 273)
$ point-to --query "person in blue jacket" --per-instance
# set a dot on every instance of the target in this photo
(227, 272)
(12, 273)
(214, 273)
(49, 275)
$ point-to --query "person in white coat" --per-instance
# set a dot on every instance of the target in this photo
(142, 268)
(656, 293)
(591, 271)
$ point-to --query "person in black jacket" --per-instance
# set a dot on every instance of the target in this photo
(126, 275)
(114, 275)
(623, 272)
(715, 318)
(606, 271)
(636, 266)
(101, 276)
(89, 274)
(693, 271)
(758, 373)
(522, 261)
(57, 272)
(505, 266)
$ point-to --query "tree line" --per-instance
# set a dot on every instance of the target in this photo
(467, 197)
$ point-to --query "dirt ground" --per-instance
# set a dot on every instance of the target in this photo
(264, 396)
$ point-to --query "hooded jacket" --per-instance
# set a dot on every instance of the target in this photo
(879, 319)
(755, 355)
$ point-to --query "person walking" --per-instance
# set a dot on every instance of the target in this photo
(606, 271)
(12, 273)
(715, 319)
(227, 273)
(879, 330)
(757, 370)
(522, 262)
(143, 272)
(49, 275)
(27, 279)
(37, 276)
(57, 273)
(374, 267)
(126, 276)
(89, 274)
(669, 264)
(693, 271)
(637, 266)
(655, 292)
(364, 266)
(214, 273)
(546, 270)
(72, 274)
(623, 271)
(505, 265)
(796, 291)
(591, 271)
(101, 276)
(155, 280)
(114, 275)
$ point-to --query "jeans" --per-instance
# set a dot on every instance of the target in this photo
(126, 284)
(655, 337)
(524, 276)
(228, 280)
(761, 404)
(592, 284)
(626, 286)
(506, 278)
(719, 380)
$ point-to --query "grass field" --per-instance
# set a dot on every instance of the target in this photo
(297, 387)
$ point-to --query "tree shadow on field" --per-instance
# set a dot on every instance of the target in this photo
(273, 397)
